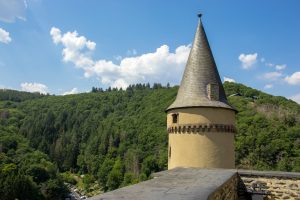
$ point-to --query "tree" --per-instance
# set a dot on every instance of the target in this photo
(149, 165)
(38, 173)
(115, 177)
(54, 189)
(104, 170)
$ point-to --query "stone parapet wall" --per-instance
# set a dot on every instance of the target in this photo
(211, 184)
(228, 191)
(181, 183)
(275, 185)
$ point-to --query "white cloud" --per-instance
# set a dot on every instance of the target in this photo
(277, 67)
(228, 79)
(10, 10)
(56, 35)
(294, 79)
(73, 91)
(4, 36)
(296, 98)
(90, 45)
(25, 3)
(280, 67)
(159, 66)
(118, 58)
(74, 46)
(272, 76)
(248, 60)
(268, 86)
(132, 52)
(34, 87)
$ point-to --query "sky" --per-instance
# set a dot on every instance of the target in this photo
(66, 47)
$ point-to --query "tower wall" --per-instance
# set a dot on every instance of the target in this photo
(202, 137)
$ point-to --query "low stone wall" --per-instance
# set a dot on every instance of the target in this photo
(211, 184)
(181, 183)
(228, 191)
(275, 185)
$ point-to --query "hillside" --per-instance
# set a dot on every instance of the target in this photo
(25, 173)
(119, 137)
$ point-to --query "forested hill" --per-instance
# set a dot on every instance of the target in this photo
(17, 96)
(118, 137)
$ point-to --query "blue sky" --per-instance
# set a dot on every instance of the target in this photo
(69, 46)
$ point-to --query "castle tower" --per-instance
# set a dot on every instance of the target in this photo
(200, 122)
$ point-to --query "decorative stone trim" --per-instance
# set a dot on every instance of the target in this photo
(200, 128)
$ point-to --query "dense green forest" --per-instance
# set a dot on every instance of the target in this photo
(118, 137)
(25, 173)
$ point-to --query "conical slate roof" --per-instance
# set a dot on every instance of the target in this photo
(200, 74)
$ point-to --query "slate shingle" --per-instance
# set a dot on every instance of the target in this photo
(200, 71)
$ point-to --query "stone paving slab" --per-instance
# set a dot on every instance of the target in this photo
(175, 184)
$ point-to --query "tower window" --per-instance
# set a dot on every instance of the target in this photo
(169, 152)
(174, 118)
(213, 91)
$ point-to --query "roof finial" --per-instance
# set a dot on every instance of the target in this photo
(199, 15)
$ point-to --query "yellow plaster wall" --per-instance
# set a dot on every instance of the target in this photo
(207, 149)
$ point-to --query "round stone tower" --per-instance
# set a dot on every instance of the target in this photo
(200, 122)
